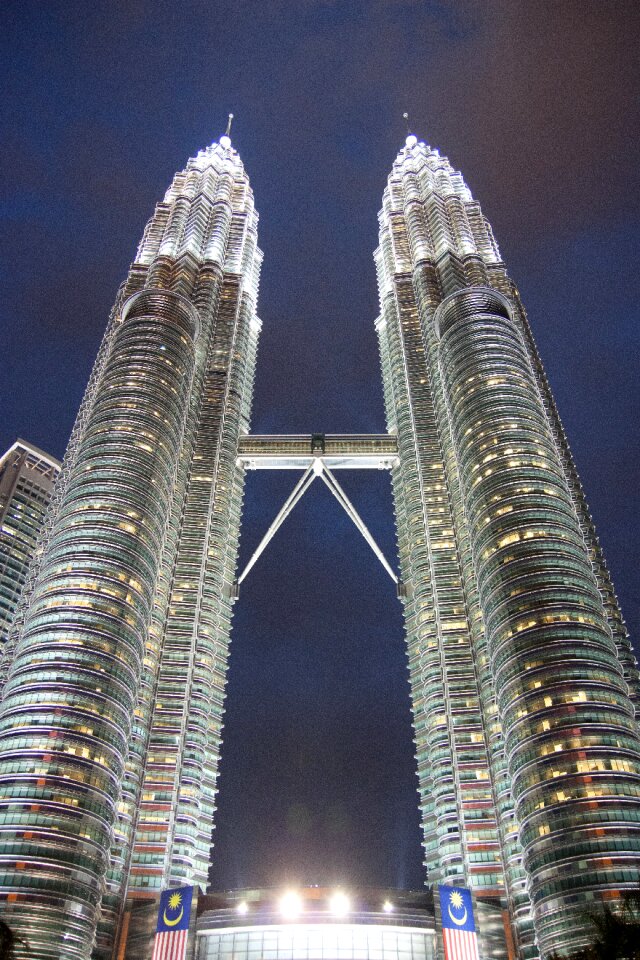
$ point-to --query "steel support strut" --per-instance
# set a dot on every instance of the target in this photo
(351, 511)
(296, 494)
(316, 469)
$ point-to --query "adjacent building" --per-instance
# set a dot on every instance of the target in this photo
(27, 477)
(524, 684)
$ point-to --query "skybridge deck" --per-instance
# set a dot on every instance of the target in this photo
(338, 451)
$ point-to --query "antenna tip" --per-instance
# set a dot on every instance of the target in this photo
(411, 140)
(226, 139)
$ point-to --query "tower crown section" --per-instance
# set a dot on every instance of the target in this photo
(428, 214)
(208, 215)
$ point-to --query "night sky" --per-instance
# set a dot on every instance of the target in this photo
(537, 102)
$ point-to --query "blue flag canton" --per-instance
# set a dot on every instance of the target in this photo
(456, 908)
(175, 910)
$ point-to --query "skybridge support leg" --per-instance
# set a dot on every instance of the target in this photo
(296, 494)
(318, 468)
(351, 511)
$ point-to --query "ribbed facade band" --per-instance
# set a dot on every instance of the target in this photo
(523, 680)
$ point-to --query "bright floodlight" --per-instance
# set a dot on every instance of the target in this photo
(242, 907)
(339, 904)
(290, 905)
(411, 140)
(225, 141)
(387, 906)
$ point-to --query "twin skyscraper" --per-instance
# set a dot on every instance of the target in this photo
(524, 686)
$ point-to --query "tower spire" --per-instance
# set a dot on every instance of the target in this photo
(225, 139)
(411, 138)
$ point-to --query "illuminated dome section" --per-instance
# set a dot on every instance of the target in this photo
(316, 923)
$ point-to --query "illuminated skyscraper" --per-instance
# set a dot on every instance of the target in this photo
(27, 476)
(523, 679)
(110, 721)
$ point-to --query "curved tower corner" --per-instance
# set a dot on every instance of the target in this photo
(115, 671)
(523, 680)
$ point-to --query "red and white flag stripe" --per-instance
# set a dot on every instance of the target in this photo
(170, 946)
(460, 944)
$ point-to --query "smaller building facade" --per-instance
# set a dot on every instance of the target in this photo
(317, 923)
(27, 477)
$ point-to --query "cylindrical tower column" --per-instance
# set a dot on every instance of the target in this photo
(71, 691)
(573, 747)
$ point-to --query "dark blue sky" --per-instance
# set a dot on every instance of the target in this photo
(537, 103)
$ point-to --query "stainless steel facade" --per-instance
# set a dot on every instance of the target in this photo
(524, 684)
(110, 721)
(523, 679)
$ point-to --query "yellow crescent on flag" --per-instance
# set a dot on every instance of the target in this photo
(459, 923)
(172, 923)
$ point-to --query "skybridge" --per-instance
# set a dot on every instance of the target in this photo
(317, 455)
(338, 451)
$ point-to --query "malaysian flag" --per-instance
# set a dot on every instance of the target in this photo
(458, 928)
(173, 924)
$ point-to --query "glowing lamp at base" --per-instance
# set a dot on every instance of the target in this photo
(291, 905)
(339, 904)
